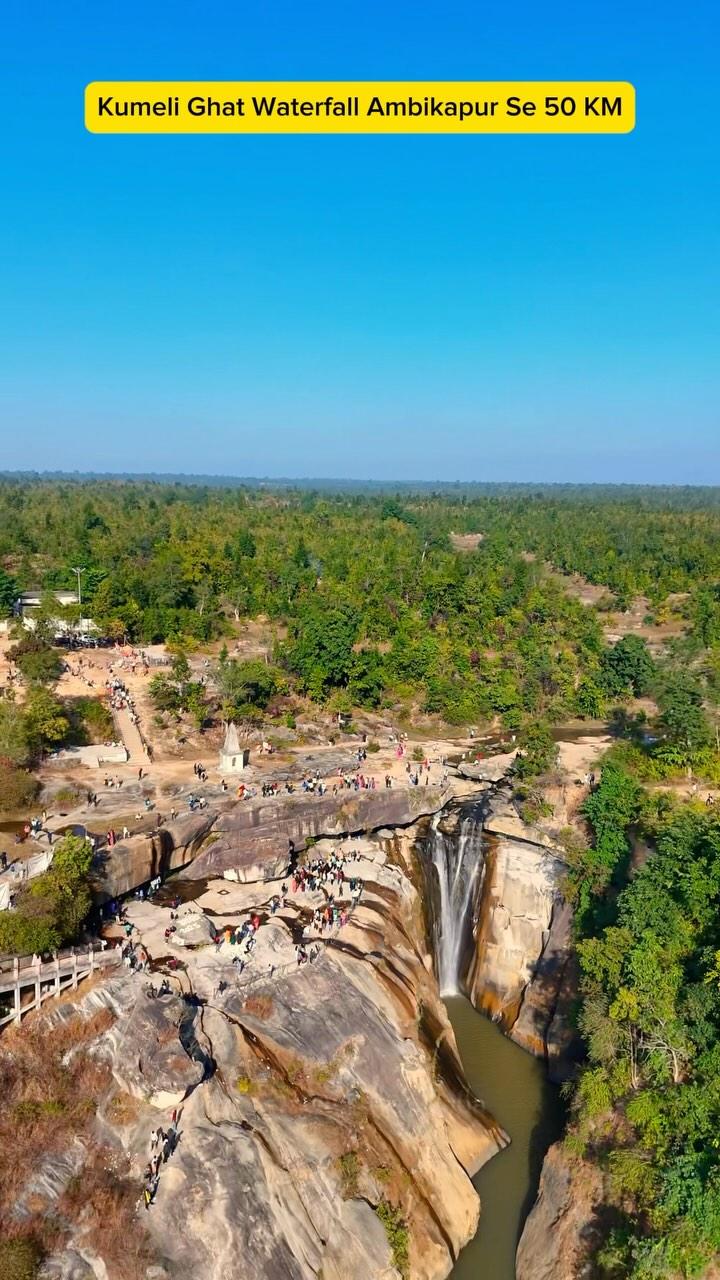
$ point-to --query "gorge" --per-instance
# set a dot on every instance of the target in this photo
(497, 926)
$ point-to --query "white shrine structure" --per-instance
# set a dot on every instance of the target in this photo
(233, 757)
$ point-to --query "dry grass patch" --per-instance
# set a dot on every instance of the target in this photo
(50, 1092)
(259, 1006)
(51, 1087)
(123, 1109)
(104, 1200)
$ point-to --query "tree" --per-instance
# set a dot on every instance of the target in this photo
(51, 908)
(17, 787)
(589, 699)
(367, 678)
(627, 667)
(36, 660)
(245, 545)
(321, 651)
(243, 684)
(683, 722)
(15, 744)
(45, 720)
(8, 593)
(68, 878)
(538, 751)
(610, 810)
(180, 667)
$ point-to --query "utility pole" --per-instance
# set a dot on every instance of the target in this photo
(78, 571)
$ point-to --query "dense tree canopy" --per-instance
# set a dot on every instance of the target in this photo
(647, 1105)
(383, 596)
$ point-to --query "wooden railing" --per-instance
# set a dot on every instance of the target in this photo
(31, 982)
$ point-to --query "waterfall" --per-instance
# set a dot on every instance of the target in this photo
(458, 860)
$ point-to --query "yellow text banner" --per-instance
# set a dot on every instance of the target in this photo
(344, 106)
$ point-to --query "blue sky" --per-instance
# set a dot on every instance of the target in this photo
(529, 308)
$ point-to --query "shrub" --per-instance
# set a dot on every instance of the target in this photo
(349, 1171)
(67, 796)
(397, 1234)
(17, 788)
(90, 721)
(19, 1259)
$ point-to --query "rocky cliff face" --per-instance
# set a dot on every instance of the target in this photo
(563, 1226)
(251, 840)
(326, 1129)
(521, 972)
(135, 861)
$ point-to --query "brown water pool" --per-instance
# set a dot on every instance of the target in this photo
(515, 1088)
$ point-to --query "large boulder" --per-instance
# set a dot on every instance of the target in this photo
(141, 858)
(252, 840)
(152, 1051)
(193, 929)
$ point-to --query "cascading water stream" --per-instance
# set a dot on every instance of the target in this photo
(458, 861)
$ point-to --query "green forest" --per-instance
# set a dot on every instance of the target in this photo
(646, 1107)
(374, 598)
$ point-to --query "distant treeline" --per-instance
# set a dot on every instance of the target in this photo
(678, 497)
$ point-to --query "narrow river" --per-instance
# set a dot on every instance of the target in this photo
(517, 1093)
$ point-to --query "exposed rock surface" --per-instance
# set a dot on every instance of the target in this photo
(562, 1228)
(309, 1094)
(252, 840)
(522, 971)
(503, 819)
(135, 861)
(494, 769)
(153, 1051)
(68, 1265)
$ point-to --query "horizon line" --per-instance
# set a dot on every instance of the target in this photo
(308, 481)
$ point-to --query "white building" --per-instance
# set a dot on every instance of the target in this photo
(27, 608)
(233, 757)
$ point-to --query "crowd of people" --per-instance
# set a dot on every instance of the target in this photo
(120, 697)
(162, 1145)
